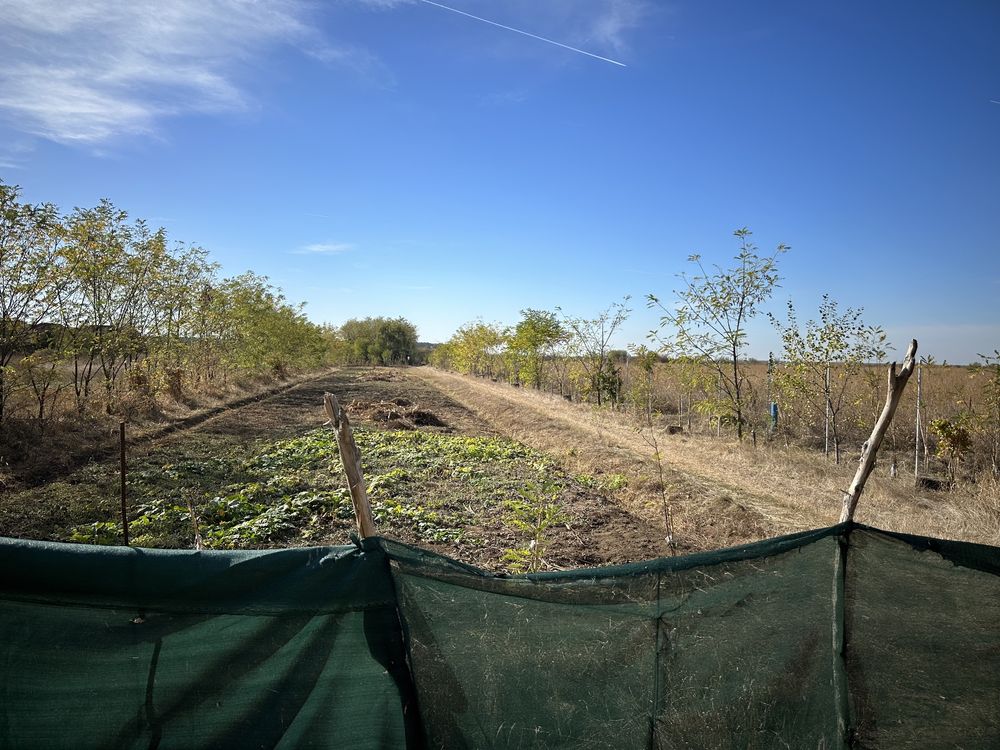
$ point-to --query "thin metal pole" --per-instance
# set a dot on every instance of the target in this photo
(718, 398)
(826, 421)
(121, 435)
(916, 445)
(770, 392)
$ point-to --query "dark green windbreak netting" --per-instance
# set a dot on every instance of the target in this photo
(841, 637)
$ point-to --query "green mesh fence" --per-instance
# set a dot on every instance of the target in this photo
(117, 647)
(841, 637)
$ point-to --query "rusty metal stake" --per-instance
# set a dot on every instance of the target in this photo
(121, 436)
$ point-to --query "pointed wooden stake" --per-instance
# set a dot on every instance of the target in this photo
(351, 458)
(869, 450)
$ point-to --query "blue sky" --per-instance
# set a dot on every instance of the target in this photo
(391, 157)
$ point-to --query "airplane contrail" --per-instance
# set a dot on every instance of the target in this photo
(525, 33)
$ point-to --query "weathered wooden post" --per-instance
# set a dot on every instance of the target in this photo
(868, 452)
(350, 456)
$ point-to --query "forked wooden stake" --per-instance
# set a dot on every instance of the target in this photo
(868, 452)
(351, 458)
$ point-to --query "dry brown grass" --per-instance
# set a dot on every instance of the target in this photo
(28, 458)
(981, 512)
(948, 391)
(722, 492)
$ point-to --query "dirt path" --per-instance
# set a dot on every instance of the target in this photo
(712, 507)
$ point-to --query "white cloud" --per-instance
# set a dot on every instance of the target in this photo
(90, 70)
(615, 19)
(325, 248)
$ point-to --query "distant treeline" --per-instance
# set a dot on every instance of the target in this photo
(375, 341)
(544, 350)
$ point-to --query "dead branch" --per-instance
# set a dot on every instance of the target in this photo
(870, 449)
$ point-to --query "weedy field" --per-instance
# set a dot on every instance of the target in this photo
(500, 477)
(268, 474)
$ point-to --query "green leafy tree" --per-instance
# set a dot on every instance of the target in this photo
(105, 298)
(822, 359)
(476, 348)
(32, 272)
(379, 341)
(532, 344)
(710, 318)
(206, 330)
(396, 341)
(954, 440)
(590, 341)
(174, 292)
(113, 263)
(642, 390)
(443, 356)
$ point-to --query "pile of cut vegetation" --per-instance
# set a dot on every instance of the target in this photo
(397, 414)
(380, 376)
